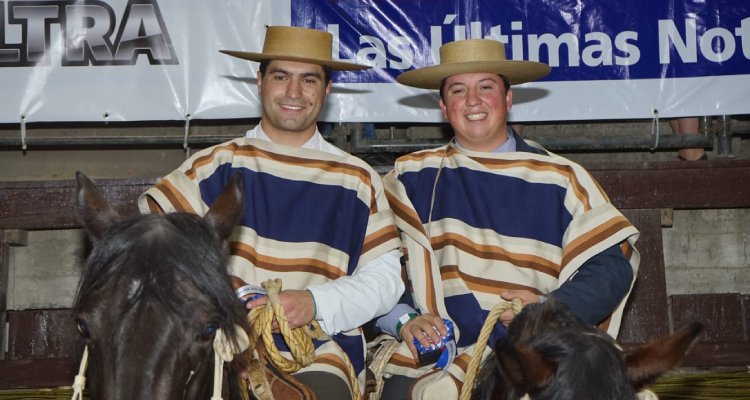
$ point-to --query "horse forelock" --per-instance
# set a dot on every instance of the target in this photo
(165, 260)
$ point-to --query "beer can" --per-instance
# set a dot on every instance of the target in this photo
(441, 354)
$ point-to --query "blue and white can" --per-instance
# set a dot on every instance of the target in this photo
(441, 354)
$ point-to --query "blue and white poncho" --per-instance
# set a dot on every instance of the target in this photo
(476, 224)
(310, 217)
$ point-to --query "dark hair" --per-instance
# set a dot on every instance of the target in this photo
(327, 71)
(506, 83)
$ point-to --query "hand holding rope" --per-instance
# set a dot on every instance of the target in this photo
(489, 324)
(299, 340)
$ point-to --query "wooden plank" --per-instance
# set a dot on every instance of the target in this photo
(51, 204)
(38, 373)
(645, 317)
(723, 183)
(724, 341)
(720, 313)
(42, 334)
(725, 354)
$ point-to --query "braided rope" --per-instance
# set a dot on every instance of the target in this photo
(80, 380)
(479, 346)
(224, 351)
(379, 361)
(299, 340)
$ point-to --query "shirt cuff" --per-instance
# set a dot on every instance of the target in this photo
(388, 322)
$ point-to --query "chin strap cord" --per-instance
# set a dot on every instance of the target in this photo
(224, 351)
(80, 380)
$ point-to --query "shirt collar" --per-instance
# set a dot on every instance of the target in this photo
(316, 142)
(508, 146)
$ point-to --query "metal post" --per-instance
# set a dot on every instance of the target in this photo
(4, 271)
(357, 134)
(706, 121)
(725, 137)
(340, 133)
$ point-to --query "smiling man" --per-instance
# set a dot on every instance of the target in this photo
(292, 94)
(315, 216)
(492, 217)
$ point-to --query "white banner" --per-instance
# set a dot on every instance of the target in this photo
(131, 60)
(139, 60)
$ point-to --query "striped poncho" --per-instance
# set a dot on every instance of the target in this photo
(309, 217)
(476, 224)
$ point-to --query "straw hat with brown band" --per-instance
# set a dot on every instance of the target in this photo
(473, 55)
(291, 43)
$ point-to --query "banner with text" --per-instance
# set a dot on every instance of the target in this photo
(136, 60)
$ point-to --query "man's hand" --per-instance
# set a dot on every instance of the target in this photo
(427, 328)
(298, 306)
(526, 297)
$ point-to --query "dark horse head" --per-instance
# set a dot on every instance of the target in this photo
(549, 354)
(153, 294)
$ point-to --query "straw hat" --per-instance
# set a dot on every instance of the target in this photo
(292, 43)
(473, 55)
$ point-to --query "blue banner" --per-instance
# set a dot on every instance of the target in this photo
(580, 40)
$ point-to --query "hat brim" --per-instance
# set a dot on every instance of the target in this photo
(515, 71)
(258, 57)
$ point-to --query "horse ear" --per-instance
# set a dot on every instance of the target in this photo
(95, 213)
(226, 211)
(649, 361)
(525, 369)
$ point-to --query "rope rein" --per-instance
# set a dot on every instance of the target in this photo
(379, 361)
(479, 346)
(299, 340)
(386, 350)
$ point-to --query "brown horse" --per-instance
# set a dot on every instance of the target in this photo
(549, 354)
(153, 296)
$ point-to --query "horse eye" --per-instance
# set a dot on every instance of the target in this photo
(209, 331)
(83, 328)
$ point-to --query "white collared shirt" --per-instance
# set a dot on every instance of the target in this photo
(316, 142)
(508, 146)
(350, 301)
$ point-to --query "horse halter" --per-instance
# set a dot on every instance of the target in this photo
(224, 351)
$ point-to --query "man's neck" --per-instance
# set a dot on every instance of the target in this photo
(487, 147)
(288, 138)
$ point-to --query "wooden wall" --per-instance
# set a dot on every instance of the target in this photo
(44, 348)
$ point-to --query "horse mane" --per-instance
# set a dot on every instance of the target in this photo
(577, 359)
(165, 255)
(550, 354)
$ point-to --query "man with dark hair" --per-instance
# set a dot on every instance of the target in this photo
(315, 216)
